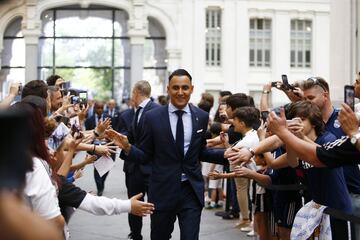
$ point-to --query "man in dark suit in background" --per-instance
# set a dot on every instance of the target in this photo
(91, 123)
(173, 140)
(136, 175)
(112, 111)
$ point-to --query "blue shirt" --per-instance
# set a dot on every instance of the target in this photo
(351, 172)
(327, 186)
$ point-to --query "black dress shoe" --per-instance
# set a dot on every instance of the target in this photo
(231, 215)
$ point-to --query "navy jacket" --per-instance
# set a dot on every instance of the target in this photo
(134, 134)
(157, 145)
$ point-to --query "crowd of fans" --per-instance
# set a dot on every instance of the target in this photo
(284, 164)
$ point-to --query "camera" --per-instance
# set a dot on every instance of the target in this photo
(349, 96)
(79, 97)
(264, 115)
(286, 84)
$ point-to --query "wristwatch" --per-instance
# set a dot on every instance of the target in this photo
(354, 138)
(265, 92)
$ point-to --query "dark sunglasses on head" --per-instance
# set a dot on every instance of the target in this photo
(316, 81)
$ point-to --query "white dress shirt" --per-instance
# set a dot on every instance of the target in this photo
(142, 105)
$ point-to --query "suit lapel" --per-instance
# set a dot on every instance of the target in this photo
(195, 123)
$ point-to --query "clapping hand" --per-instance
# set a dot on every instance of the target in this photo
(140, 208)
(348, 120)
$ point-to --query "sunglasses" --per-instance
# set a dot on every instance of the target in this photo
(315, 81)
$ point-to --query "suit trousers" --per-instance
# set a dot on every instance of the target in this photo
(188, 213)
(136, 182)
(100, 181)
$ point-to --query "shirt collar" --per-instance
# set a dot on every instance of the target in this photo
(143, 103)
(172, 108)
(248, 132)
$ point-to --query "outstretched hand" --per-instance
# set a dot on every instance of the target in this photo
(119, 139)
(140, 208)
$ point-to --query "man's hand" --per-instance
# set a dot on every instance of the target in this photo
(242, 155)
(277, 124)
(119, 139)
(348, 120)
(213, 142)
(140, 208)
(102, 126)
(230, 152)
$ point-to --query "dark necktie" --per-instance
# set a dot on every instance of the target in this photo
(180, 133)
(137, 116)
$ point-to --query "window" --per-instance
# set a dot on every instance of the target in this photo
(260, 42)
(300, 53)
(88, 47)
(155, 62)
(13, 56)
(213, 37)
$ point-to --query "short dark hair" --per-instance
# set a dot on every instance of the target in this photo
(238, 100)
(309, 110)
(225, 93)
(36, 88)
(51, 80)
(205, 105)
(180, 72)
(208, 97)
(215, 128)
(249, 115)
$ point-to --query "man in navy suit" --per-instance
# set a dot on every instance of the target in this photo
(136, 175)
(112, 111)
(174, 141)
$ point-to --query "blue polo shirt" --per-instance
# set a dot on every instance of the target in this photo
(351, 172)
(327, 186)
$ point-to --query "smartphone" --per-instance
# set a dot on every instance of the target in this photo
(66, 85)
(75, 100)
(286, 84)
(349, 96)
(62, 119)
(83, 98)
(294, 120)
(264, 115)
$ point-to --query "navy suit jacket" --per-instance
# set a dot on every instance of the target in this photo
(134, 134)
(114, 119)
(157, 145)
(124, 121)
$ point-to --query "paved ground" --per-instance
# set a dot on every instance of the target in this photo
(84, 226)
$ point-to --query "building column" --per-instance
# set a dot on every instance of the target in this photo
(136, 59)
(31, 54)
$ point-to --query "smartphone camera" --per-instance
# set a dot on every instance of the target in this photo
(75, 100)
(286, 84)
(264, 115)
(349, 96)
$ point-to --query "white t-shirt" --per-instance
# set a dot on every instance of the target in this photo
(40, 192)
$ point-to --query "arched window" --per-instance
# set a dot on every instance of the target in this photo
(155, 62)
(12, 56)
(89, 48)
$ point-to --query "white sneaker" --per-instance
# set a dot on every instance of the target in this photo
(247, 229)
(251, 233)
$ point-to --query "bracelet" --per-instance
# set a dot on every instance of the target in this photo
(251, 151)
(93, 151)
(265, 92)
(96, 134)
